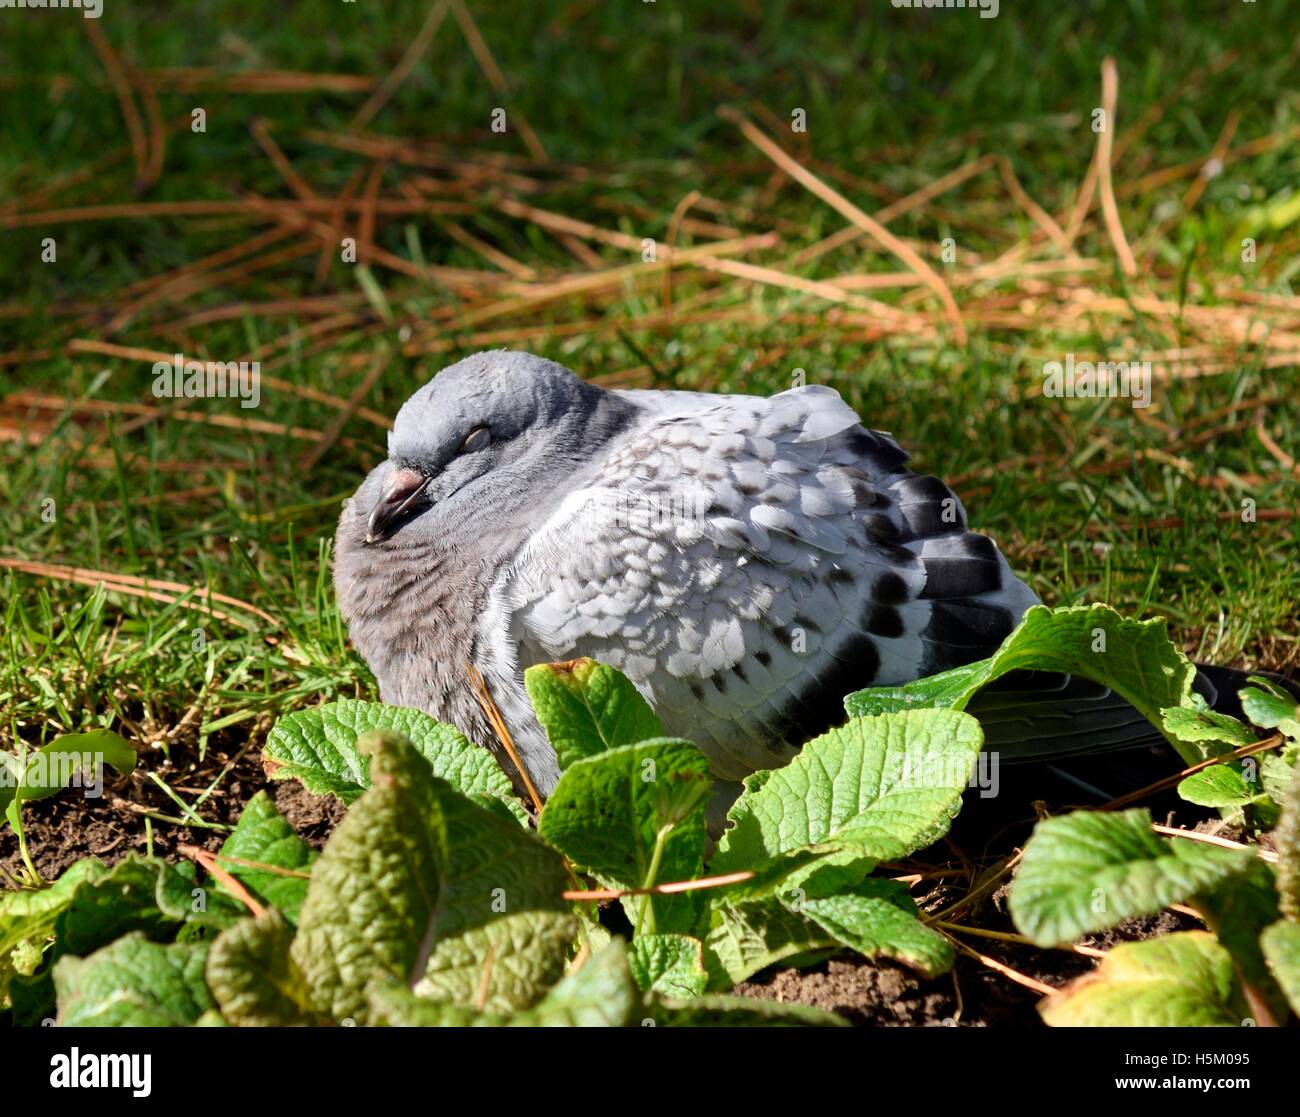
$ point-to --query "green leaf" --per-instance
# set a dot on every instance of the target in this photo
(253, 978)
(587, 707)
(744, 938)
(1182, 980)
(1281, 946)
(319, 747)
(263, 835)
(609, 811)
(600, 995)
(668, 965)
(719, 1011)
(133, 983)
(179, 896)
(1136, 659)
(878, 919)
(1270, 707)
(1275, 771)
(69, 758)
(1088, 871)
(881, 787)
(1237, 910)
(1221, 785)
(1200, 723)
(424, 887)
(28, 918)
(105, 906)
(1286, 839)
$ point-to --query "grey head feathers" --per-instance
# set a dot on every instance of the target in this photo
(474, 455)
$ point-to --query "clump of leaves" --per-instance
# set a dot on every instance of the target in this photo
(435, 904)
(1090, 871)
(803, 840)
(426, 907)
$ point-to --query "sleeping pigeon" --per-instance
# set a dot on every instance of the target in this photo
(746, 561)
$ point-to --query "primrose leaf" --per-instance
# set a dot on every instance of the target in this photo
(607, 812)
(107, 905)
(54, 766)
(1281, 946)
(881, 787)
(1136, 659)
(420, 885)
(668, 965)
(1270, 707)
(1237, 910)
(600, 995)
(1275, 771)
(587, 707)
(253, 978)
(319, 747)
(1175, 981)
(1088, 871)
(264, 836)
(1286, 839)
(133, 983)
(720, 1011)
(28, 918)
(180, 897)
(1200, 723)
(878, 919)
(1221, 785)
(744, 938)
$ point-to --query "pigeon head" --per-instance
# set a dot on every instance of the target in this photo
(485, 437)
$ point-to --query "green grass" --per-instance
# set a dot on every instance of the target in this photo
(630, 91)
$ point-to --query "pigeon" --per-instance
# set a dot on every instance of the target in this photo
(746, 561)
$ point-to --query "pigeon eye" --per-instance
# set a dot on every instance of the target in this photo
(475, 440)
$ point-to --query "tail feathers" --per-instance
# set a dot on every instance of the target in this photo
(1038, 716)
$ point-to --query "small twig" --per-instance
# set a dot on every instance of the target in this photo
(839, 202)
(502, 731)
(1019, 940)
(209, 862)
(379, 98)
(280, 161)
(1213, 840)
(378, 366)
(479, 48)
(979, 890)
(660, 889)
(262, 867)
(670, 239)
(117, 78)
(1172, 781)
(1105, 142)
(1006, 971)
(484, 983)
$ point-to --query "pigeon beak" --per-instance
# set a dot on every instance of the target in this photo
(402, 489)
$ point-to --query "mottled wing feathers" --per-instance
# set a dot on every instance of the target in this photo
(749, 561)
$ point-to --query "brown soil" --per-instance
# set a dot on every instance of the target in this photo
(885, 994)
(68, 826)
